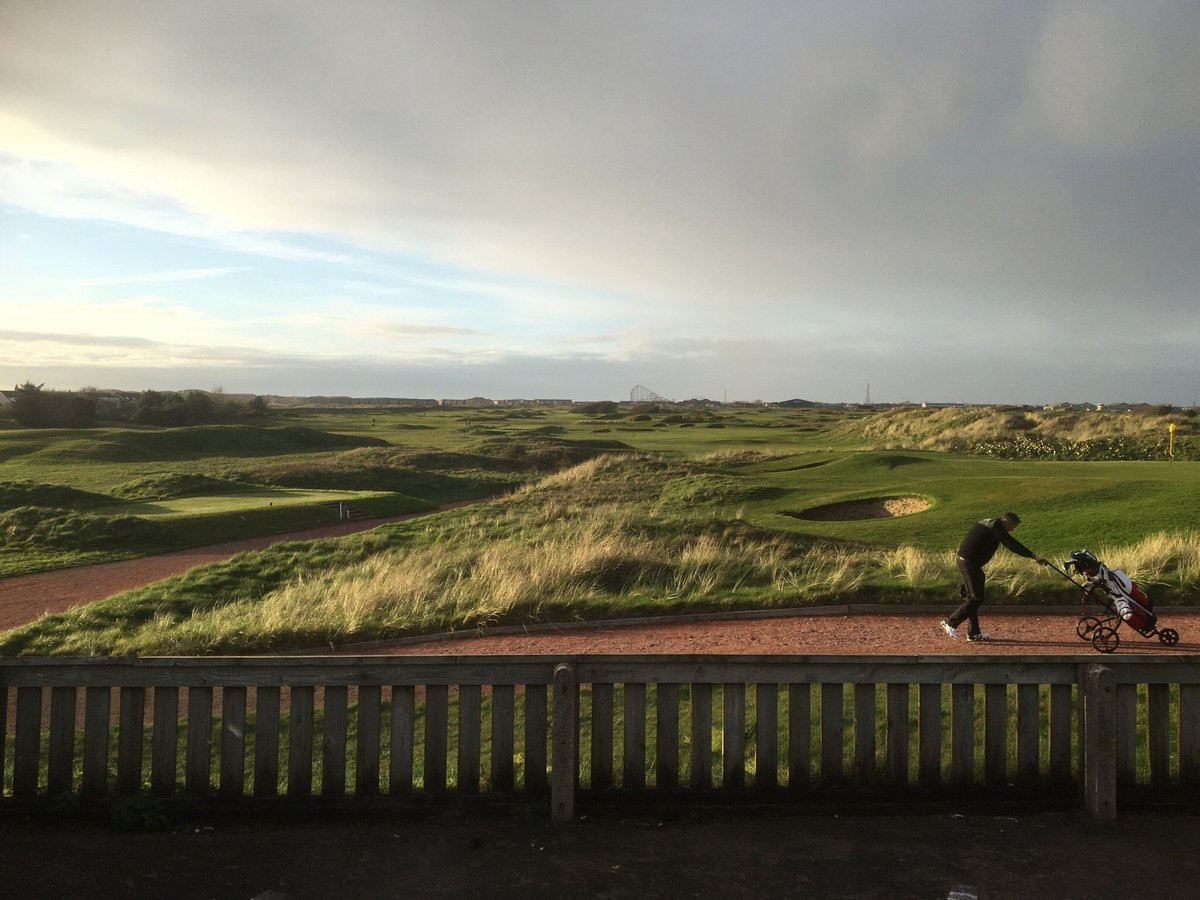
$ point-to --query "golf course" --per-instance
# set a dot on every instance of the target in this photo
(597, 511)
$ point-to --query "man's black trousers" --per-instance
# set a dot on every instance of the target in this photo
(972, 584)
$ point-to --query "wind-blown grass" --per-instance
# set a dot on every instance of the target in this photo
(1162, 559)
(1012, 433)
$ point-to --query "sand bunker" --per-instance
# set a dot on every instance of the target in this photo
(872, 508)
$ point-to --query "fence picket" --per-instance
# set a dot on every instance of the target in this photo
(799, 735)
(832, 736)
(1060, 734)
(300, 741)
(564, 766)
(198, 761)
(536, 731)
(59, 768)
(401, 740)
(3, 735)
(633, 770)
(897, 734)
(766, 736)
(266, 741)
(1126, 733)
(366, 763)
(1029, 733)
(666, 765)
(437, 726)
(995, 735)
(96, 705)
(733, 736)
(1158, 719)
(864, 733)
(701, 737)
(164, 741)
(929, 731)
(333, 742)
(602, 736)
(233, 742)
(27, 742)
(502, 738)
(962, 735)
(1189, 735)
(469, 747)
(129, 740)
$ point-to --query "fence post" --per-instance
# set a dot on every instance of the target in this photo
(1099, 743)
(562, 759)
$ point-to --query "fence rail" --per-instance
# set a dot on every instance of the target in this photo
(370, 727)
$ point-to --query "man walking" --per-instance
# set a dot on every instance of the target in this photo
(975, 551)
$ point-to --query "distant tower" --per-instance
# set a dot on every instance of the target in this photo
(867, 402)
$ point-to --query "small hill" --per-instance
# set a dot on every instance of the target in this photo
(1018, 433)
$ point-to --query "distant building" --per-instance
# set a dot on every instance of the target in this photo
(115, 398)
(469, 403)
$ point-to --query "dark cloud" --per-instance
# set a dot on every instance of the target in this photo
(942, 172)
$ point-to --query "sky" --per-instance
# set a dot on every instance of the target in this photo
(939, 201)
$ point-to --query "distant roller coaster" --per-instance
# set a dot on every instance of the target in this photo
(642, 394)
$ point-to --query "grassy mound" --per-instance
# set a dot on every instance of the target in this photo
(29, 493)
(120, 445)
(1012, 433)
(168, 485)
(45, 527)
(490, 467)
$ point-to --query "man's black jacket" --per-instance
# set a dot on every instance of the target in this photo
(980, 544)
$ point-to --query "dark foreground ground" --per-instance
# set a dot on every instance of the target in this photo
(502, 854)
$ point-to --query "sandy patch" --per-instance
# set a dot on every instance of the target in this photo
(873, 508)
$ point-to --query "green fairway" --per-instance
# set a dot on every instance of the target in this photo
(183, 507)
(1062, 504)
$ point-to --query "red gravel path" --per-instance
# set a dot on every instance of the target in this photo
(24, 598)
(910, 633)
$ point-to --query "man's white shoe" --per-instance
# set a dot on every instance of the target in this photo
(950, 630)
(982, 636)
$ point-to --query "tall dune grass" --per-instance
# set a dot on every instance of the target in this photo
(1035, 434)
(598, 568)
(1159, 559)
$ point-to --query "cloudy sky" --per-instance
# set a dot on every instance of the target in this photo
(754, 199)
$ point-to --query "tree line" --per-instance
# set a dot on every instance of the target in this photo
(35, 407)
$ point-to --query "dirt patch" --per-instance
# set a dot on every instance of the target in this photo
(871, 508)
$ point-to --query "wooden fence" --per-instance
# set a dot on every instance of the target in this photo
(567, 729)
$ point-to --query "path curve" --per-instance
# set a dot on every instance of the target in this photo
(24, 598)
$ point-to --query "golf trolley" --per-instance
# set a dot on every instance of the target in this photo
(1111, 600)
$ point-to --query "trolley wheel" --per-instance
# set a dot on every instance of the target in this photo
(1105, 639)
(1086, 626)
(1168, 636)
